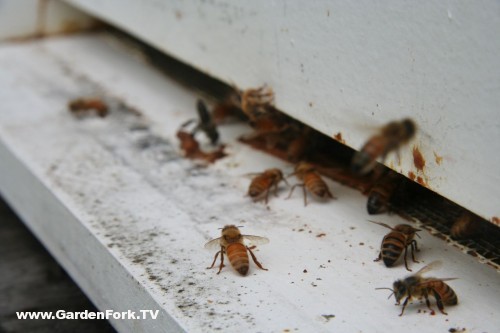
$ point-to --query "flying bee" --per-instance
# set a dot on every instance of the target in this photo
(390, 138)
(81, 106)
(465, 226)
(232, 243)
(380, 195)
(256, 103)
(416, 286)
(312, 181)
(205, 123)
(263, 182)
(395, 242)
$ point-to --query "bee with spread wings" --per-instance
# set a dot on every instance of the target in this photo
(232, 243)
(416, 286)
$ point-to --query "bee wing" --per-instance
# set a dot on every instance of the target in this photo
(203, 113)
(256, 240)
(433, 265)
(213, 244)
(382, 224)
(431, 280)
(251, 174)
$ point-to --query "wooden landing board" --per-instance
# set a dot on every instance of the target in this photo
(114, 201)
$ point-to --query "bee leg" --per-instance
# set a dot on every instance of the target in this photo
(414, 248)
(406, 262)
(215, 258)
(186, 123)
(404, 305)
(255, 259)
(329, 194)
(426, 296)
(221, 261)
(439, 302)
(276, 189)
(379, 256)
(305, 195)
(292, 189)
(266, 198)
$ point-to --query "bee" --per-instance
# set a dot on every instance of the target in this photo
(380, 195)
(80, 106)
(191, 148)
(395, 242)
(416, 286)
(465, 226)
(312, 181)
(256, 103)
(232, 243)
(300, 144)
(205, 123)
(390, 138)
(263, 182)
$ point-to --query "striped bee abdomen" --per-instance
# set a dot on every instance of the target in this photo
(259, 185)
(238, 257)
(393, 245)
(445, 292)
(315, 184)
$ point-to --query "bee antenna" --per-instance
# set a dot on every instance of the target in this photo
(418, 234)
(392, 293)
(240, 226)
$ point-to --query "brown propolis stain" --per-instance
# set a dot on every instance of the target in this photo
(338, 137)
(495, 220)
(411, 175)
(81, 106)
(438, 158)
(418, 159)
(421, 181)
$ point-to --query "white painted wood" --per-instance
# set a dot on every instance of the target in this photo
(350, 67)
(127, 216)
(22, 19)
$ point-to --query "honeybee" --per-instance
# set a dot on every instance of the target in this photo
(232, 243)
(395, 242)
(299, 144)
(379, 197)
(205, 123)
(390, 138)
(466, 226)
(263, 182)
(80, 106)
(416, 286)
(256, 103)
(192, 150)
(312, 181)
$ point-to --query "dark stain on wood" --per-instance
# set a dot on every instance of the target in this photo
(418, 159)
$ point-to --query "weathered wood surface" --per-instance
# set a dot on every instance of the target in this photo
(31, 280)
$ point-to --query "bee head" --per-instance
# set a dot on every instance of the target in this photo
(231, 233)
(376, 204)
(400, 290)
(410, 127)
